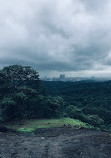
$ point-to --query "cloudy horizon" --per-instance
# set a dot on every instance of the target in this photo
(68, 36)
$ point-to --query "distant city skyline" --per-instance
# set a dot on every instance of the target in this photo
(64, 78)
(75, 74)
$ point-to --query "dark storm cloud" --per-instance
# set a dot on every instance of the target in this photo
(53, 35)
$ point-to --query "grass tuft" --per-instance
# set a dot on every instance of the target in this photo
(25, 130)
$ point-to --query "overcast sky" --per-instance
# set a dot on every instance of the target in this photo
(57, 36)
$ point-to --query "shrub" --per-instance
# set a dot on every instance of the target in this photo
(94, 120)
(77, 113)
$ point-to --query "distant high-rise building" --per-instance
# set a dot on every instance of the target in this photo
(92, 77)
(62, 77)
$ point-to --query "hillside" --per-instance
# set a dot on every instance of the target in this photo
(93, 98)
(24, 96)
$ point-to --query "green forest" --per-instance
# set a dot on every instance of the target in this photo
(87, 101)
(24, 96)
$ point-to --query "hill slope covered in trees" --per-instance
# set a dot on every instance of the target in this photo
(24, 96)
(89, 102)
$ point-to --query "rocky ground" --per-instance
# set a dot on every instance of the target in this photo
(56, 143)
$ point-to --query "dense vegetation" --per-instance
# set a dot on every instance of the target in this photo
(24, 96)
(89, 102)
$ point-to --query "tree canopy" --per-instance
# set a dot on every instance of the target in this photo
(22, 95)
(18, 72)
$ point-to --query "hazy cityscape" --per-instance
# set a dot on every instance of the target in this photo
(64, 78)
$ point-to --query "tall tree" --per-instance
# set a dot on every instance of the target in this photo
(18, 72)
(17, 75)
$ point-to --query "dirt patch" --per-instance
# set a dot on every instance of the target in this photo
(56, 143)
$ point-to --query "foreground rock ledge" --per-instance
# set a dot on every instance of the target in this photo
(56, 143)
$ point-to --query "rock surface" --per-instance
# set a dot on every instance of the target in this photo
(56, 143)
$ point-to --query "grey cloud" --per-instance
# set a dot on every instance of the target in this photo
(53, 35)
